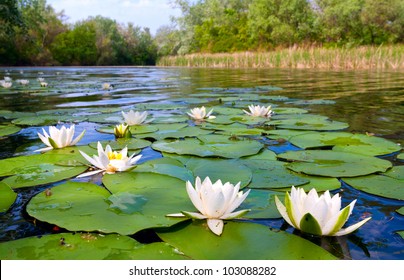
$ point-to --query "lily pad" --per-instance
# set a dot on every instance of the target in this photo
(7, 195)
(134, 129)
(47, 120)
(239, 242)
(13, 165)
(234, 129)
(166, 166)
(378, 185)
(8, 130)
(334, 164)
(85, 246)
(346, 142)
(314, 123)
(397, 172)
(401, 156)
(132, 144)
(272, 175)
(225, 170)
(191, 146)
(400, 211)
(79, 206)
(262, 204)
(41, 174)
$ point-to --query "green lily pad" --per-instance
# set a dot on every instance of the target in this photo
(401, 156)
(262, 204)
(47, 120)
(312, 102)
(8, 130)
(170, 119)
(134, 129)
(239, 241)
(225, 170)
(113, 118)
(13, 165)
(164, 131)
(334, 164)
(284, 133)
(378, 185)
(85, 246)
(79, 206)
(397, 172)
(401, 233)
(126, 203)
(321, 184)
(312, 123)
(41, 174)
(233, 129)
(400, 211)
(133, 144)
(9, 115)
(346, 142)
(190, 146)
(272, 175)
(7, 195)
(166, 166)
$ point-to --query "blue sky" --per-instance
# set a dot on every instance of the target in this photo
(144, 13)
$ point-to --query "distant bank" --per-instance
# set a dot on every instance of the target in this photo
(344, 58)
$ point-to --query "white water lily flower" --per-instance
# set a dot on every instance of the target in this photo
(215, 202)
(7, 79)
(259, 111)
(107, 86)
(43, 84)
(23, 82)
(40, 79)
(109, 161)
(318, 215)
(122, 131)
(6, 84)
(59, 138)
(199, 114)
(134, 118)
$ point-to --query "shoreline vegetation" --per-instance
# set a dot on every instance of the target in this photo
(343, 58)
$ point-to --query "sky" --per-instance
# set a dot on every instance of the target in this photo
(143, 13)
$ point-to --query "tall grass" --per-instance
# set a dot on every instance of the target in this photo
(364, 57)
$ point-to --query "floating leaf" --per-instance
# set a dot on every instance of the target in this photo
(85, 207)
(41, 174)
(401, 156)
(240, 241)
(401, 212)
(215, 169)
(272, 175)
(166, 166)
(262, 204)
(132, 144)
(8, 130)
(126, 203)
(334, 164)
(85, 246)
(190, 146)
(7, 195)
(346, 142)
(313, 123)
(397, 172)
(134, 129)
(378, 185)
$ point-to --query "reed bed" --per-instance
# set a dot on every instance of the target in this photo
(363, 57)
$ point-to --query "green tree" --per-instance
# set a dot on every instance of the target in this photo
(383, 21)
(76, 47)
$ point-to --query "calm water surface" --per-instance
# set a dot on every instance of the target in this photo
(370, 102)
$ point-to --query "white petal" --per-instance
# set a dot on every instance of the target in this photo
(351, 228)
(194, 196)
(282, 210)
(89, 173)
(216, 226)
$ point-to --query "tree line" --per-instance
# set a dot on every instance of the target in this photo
(33, 33)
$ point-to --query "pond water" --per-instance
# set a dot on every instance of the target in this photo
(371, 103)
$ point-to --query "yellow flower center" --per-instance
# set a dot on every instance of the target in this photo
(111, 169)
(114, 155)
